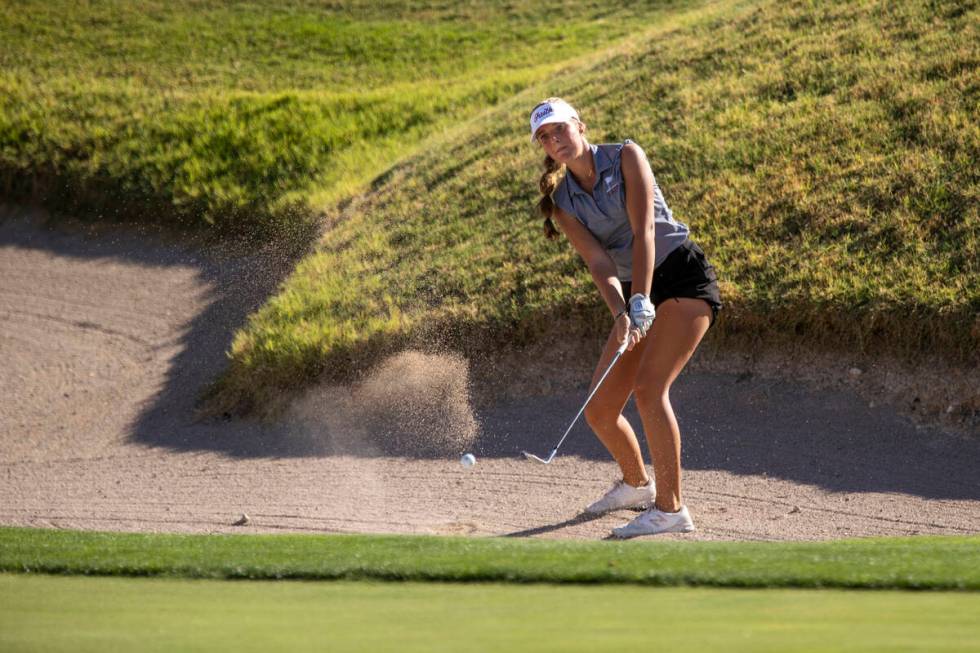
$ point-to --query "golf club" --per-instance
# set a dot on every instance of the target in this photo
(545, 461)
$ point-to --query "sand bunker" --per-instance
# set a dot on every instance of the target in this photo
(107, 341)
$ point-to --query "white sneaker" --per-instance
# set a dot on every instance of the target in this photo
(654, 521)
(623, 495)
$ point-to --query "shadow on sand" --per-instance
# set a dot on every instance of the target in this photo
(582, 518)
(766, 427)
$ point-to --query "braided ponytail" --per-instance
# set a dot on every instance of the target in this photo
(548, 183)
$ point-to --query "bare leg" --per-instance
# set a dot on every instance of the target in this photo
(604, 412)
(676, 332)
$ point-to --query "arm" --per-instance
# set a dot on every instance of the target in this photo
(639, 206)
(600, 265)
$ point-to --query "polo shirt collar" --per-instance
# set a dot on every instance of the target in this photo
(602, 160)
(602, 163)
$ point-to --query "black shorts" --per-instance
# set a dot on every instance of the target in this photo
(684, 273)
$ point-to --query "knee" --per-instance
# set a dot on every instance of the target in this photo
(599, 417)
(652, 393)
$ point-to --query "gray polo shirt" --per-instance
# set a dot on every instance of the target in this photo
(603, 211)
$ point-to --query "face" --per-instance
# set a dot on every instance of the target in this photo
(562, 141)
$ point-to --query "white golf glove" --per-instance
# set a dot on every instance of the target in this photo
(641, 312)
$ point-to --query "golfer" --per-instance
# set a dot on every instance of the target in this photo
(662, 296)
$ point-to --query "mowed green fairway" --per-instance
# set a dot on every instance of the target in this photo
(99, 614)
(128, 591)
(919, 563)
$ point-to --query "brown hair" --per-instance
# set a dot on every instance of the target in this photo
(548, 183)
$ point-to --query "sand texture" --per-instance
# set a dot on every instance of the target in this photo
(107, 337)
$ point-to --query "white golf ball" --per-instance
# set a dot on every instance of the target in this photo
(468, 460)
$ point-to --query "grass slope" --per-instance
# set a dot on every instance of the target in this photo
(99, 614)
(879, 563)
(823, 153)
(248, 119)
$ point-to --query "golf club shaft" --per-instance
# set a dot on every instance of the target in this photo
(619, 352)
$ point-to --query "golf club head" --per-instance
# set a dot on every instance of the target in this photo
(531, 456)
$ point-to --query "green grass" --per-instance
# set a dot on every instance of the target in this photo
(252, 119)
(880, 563)
(823, 153)
(100, 614)
(523, 595)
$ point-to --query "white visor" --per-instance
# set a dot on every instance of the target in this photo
(548, 112)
